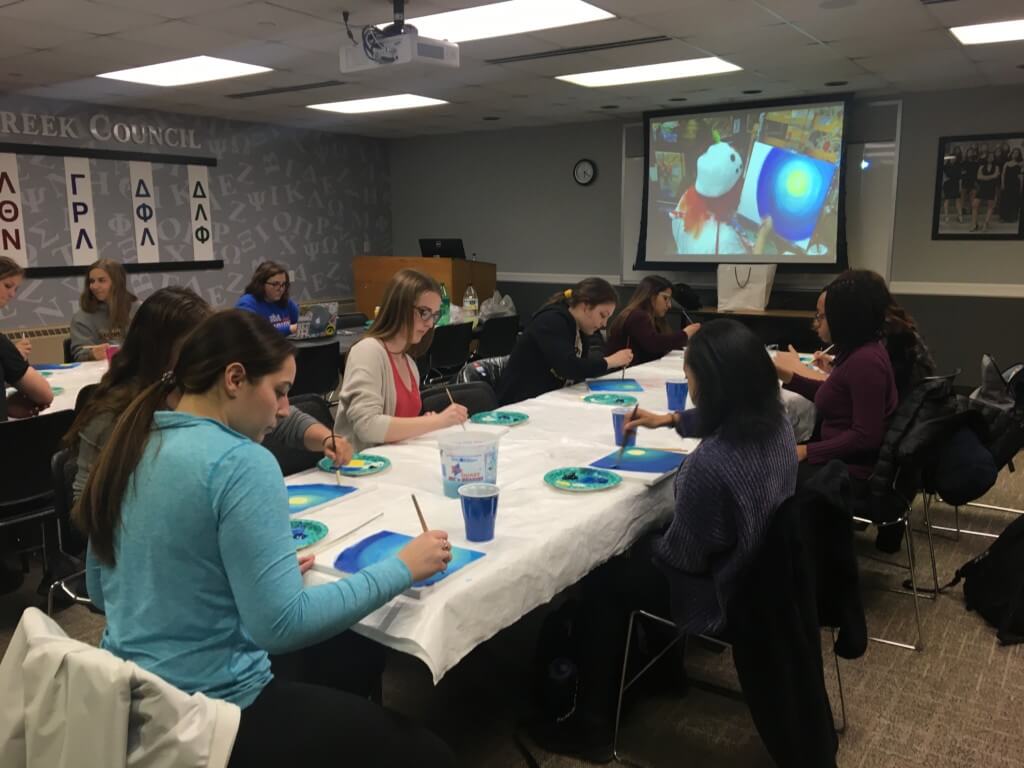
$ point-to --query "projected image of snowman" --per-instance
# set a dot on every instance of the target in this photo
(703, 221)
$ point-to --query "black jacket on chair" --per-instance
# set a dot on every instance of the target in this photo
(776, 646)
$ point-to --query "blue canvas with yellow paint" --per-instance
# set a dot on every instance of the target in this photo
(303, 497)
(385, 544)
(641, 460)
(615, 385)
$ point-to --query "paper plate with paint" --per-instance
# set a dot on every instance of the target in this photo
(55, 366)
(47, 374)
(607, 398)
(386, 544)
(615, 385)
(582, 479)
(362, 464)
(306, 533)
(57, 391)
(305, 497)
(500, 418)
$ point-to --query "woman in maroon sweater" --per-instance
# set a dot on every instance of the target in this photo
(641, 325)
(855, 402)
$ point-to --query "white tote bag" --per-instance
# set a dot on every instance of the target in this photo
(744, 286)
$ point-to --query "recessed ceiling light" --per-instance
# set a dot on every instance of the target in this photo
(513, 17)
(378, 104)
(196, 69)
(837, 83)
(669, 70)
(994, 32)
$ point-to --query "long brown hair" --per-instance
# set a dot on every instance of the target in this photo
(258, 285)
(10, 268)
(395, 318)
(590, 291)
(643, 300)
(230, 336)
(157, 330)
(119, 300)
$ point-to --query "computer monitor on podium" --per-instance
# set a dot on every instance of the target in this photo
(446, 247)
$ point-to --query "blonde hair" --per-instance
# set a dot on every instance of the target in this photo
(396, 308)
(119, 301)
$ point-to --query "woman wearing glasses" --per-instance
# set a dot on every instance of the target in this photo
(380, 396)
(267, 295)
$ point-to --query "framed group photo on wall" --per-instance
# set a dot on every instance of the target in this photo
(978, 187)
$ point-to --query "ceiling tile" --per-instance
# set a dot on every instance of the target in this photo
(173, 10)
(33, 34)
(882, 43)
(261, 21)
(708, 17)
(189, 39)
(770, 38)
(862, 18)
(82, 15)
(975, 12)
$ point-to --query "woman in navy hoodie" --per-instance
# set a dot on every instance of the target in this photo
(267, 295)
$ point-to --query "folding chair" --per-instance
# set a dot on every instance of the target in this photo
(477, 396)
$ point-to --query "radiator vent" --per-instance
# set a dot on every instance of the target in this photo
(285, 89)
(581, 49)
(38, 333)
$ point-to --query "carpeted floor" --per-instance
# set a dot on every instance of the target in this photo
(958, 703)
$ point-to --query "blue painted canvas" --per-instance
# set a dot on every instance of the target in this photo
(615, 385)
(303, 497)
(384, 544)
(641, 460)
(54, 366)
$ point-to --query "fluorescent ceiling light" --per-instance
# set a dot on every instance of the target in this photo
(669, 70)
(197, 69)
(996, 32)
(513, 17)
(378, 104)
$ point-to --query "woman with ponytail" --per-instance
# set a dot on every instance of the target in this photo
(551, 352)
(191, 556)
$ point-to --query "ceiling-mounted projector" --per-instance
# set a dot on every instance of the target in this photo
(394, 45)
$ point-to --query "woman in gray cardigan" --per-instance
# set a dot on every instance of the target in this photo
(380, 398)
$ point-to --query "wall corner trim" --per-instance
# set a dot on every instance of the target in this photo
(979, 290)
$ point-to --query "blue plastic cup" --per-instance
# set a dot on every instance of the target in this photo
(619, 418)
(677, 392)
(479, 509)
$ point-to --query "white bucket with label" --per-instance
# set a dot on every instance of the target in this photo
(468, 457)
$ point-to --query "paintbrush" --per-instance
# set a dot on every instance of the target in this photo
(337, 468)
(419, 514)
(623, 377)
(452, 401)
(625, 435)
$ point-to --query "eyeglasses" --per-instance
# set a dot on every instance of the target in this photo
(277, 283)
(427, 315)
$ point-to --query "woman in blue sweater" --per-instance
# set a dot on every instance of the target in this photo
(726, 493)
(191, 557)
(267, 295)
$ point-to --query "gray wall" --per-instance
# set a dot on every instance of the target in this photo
(305, 198)
(511, 197)
(926, 117)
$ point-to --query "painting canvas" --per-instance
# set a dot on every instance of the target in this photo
(615, 385)
(385, 544)
(641, 460)
(302, 498)
(979, 187)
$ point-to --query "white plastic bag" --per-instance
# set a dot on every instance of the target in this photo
(744, 286)
(497, 306)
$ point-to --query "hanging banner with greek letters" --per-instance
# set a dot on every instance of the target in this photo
(199, 198)
(12, 223)
(81, 215)
(147, 238)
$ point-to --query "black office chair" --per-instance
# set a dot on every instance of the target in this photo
(26, 485)
(70, 587)
(351, 320)
(477, 396)
(67, 350)
(488, 370)
(448, 352)
(497, 337)
(290, 458)
(317, 369)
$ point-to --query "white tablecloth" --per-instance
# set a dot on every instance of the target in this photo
(72, 381)
(545, 539)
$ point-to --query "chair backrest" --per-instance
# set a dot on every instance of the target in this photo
(62, 472)
(498, 336)
(27, 446)
(292, 459)
(450, 347)
(351, 320)
(84, 394)
(477, 396)
(317, 368)
(488, 369)
(67, 350)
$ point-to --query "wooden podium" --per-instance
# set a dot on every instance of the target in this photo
(372, 274)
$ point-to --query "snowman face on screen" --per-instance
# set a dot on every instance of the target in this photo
(718, 170)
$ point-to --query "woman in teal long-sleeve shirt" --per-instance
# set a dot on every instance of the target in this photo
(191, 556)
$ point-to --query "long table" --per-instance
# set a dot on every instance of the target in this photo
(546, 540)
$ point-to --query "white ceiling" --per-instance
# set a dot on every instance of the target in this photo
(53, 48)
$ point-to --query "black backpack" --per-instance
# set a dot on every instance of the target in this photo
(994, 584)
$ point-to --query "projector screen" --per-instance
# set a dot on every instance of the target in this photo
(750, 184)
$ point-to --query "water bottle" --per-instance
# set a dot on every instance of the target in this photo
(446, 306)
(470, 305)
